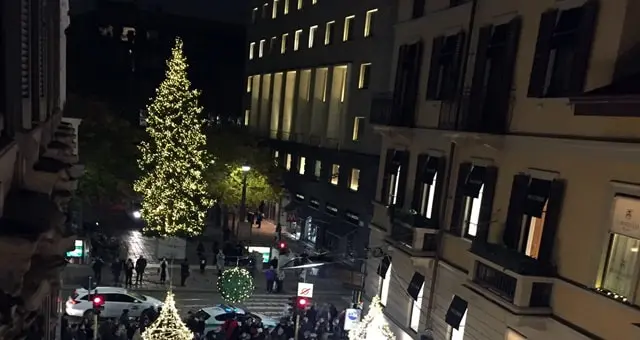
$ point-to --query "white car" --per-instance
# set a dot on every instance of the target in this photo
(116, 299)
(214, 317)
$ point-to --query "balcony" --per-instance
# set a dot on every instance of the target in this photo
(488, 119)
(411, 219)
(383, 112)
(415, 242)
(381, 218)
(515, 281)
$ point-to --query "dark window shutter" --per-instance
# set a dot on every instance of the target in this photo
(418, 9)
(415, 285)
(384, 265)
(541, 57)
(413, 82)
(25, 46)
(513, 225)
(402, 181)
(385, 176)
(502, 100)
(552, 220)
(417, 187)
(486, 206)
(399, 83)
(452, 84)
(434, 69)
(456, 214)
(584, 42)
(477, 84)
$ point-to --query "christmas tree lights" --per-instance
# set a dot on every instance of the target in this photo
(174, 158)
(168, 326)
(373, 326)
(235, 285)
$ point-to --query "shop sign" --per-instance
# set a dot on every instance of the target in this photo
(352, 318)
(626, 216)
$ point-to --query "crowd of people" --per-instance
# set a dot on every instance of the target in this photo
(123, 328)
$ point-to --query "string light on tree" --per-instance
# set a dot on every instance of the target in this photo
(373, 326)
(168, 326)
(236, 285)
(174, 158)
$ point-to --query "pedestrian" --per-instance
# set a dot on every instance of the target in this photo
(259, 220)
(128, 273)
(184, 272)
(141, 265)
(270, 276)
(279, 231)
(97, 269)
(220, 262)
(279, 280)
(203, 264)
(163, 271)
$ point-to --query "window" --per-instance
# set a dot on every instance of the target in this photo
(368, 22)
(458, 334)
(283, 43)
(300, 4)
(317, 168)
(261, 48)
(394, 186)
(274, 9)
(365, 75)
(335, 174)
(535, 213)
(288, 162)
(252, 47)
(302, 164)
(347, 33)
(384, 289)
(249, 82)
(427, 197)
(247, 113)
(472, 214)
(354, 180)
(265, 10)
(272, 44)
(418, 9)
(313, 2)
(254, 15)
(358, 128)
(312, 35)
(286, 7)
(328, 32)
(513, 335)
(296, 40)
(445, 63)
(416, 310)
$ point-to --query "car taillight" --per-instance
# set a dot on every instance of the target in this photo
(72, 301)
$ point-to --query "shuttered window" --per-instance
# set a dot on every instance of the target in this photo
(25, 43)
(42, 48)
(444, 74)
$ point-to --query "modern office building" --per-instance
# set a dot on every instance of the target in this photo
(118, 49)
(38, 170)
(508, 183)
(313, 65)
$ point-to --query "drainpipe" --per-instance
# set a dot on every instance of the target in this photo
(451, 158)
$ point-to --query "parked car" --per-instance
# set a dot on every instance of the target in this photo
(116, 299)
(214, 317)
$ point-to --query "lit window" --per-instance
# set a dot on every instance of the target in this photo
(296, 40)
(261, 48)
(355, 179)
(312, 35)
(623, 259)
(416, 309)
(249, 80)
(394, 185)
(472, 214)
(283, 43)
(328, 32)
(272, 44)
(286, 7)
(368, 22)
(358, 125)
(513, 335)
(458, 334)
(317, 169)
(276, 158)
(300, 4)
(274, 9)
(427, 198)
(365, 75)
(265, 10)
(302, 165)
(288, 162)
(252, 46)
(384, 290)
(254, 15)
(313, 2)
(347, 33)
(246, 117)
(335, 174)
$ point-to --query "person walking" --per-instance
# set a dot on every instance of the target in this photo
(97, 269)
(163, 271)
(220, 262)
(128, 273)
(203, 264)
(184, 272)
(141, 265)
(270, 276)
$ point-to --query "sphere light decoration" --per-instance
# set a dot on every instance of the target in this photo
(236, 285)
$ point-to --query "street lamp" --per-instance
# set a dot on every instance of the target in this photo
(137, 214)
(243, 200)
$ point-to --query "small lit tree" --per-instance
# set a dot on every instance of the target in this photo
(175, 198)
(373, 326)
(168, 326)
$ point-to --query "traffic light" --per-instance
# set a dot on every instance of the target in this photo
(98, 303)
(302, 303)
(282, 245)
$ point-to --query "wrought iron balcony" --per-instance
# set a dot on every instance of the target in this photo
(416, 242)
(411, 219)
(383, 112)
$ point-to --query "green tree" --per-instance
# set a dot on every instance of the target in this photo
(173, 158)
(232, 147)
(107, 148)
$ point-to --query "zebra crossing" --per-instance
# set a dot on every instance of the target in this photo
(271, 305)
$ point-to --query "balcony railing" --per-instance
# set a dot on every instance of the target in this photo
(513, 280)
(411, 219)
(383, 112)
(458, 116)
(414, 241)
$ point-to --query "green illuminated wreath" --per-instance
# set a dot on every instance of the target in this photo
(235, 285)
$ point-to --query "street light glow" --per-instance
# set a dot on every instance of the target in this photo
(137, 214)
(246, 168)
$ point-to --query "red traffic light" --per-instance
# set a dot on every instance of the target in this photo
(282, 245)
(302, 302)
(98, 301)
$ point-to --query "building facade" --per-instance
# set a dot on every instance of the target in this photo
(508, 182)
(313, 65)
(38, 167)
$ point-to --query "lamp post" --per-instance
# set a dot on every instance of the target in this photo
(243, 199)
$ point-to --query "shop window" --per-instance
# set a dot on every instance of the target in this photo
(458, 334)
(355, 179)
(416, 310)
(335, 174)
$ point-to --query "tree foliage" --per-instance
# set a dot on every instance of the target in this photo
(232, 147)
(174, 156)
(107, 148)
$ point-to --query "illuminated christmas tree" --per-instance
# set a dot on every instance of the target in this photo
(373, 326)
(173, 158)
(235, 285)
(168, 326)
